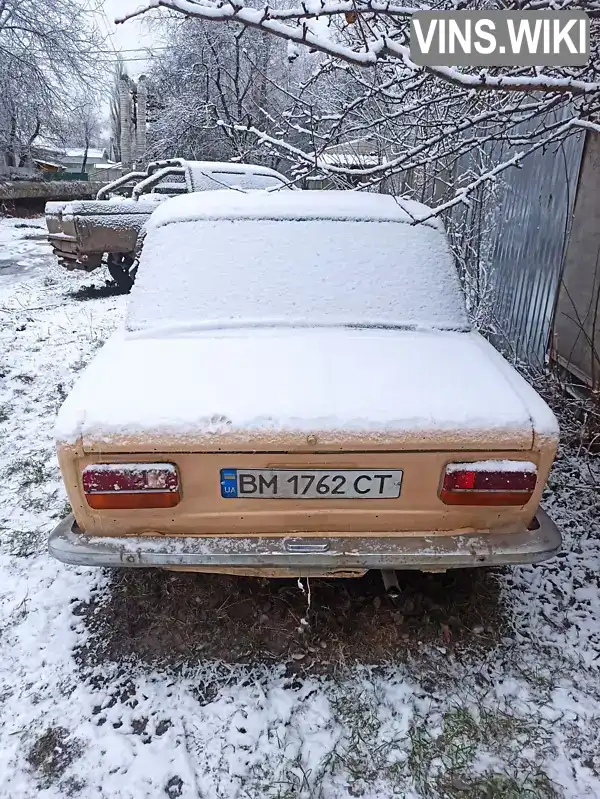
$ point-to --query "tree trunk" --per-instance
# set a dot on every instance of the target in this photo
(32, 138)
(11, 154)
(85, 156)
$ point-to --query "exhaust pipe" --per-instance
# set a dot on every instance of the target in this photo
(390, 582)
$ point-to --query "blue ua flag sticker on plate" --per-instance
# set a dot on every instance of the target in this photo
(229, 483)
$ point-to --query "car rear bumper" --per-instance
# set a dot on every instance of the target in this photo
(312, 555)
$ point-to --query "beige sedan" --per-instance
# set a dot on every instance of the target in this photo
(297, 390)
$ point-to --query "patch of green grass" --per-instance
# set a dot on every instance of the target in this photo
(62, 392)
(32, 471)
(39, 503)
(441, 756)
(63, 510)
(80, 363)
(21, 543)
(364, 755)
(52, 753)
(503, 786)
(444, 766)
(86, 357)
(18, 614)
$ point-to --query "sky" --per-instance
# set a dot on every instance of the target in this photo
(129, 36)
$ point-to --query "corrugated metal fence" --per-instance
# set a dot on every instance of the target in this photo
(526, 226)
(511, 238)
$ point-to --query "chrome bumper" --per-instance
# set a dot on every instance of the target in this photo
(310, 555)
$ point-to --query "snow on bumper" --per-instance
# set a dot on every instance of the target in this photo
(306, 556)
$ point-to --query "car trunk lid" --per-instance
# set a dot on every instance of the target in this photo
(301, 391)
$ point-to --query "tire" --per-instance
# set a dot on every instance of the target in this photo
(120, 268)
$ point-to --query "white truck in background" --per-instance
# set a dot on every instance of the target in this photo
(84, 234)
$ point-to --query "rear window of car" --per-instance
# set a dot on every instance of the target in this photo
(234, 180)
(212, 273)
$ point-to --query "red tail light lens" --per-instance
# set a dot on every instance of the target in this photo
(489, 483)
(121, 486)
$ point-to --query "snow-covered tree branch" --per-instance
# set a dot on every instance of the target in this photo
(211, 85)
(351, 109)
(377, 31)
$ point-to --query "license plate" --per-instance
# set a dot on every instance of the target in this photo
(310, 484)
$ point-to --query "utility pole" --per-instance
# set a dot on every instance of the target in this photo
(133, 100)
(126, 121)
(140, 120)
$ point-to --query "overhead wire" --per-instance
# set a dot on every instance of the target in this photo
(109, 33)
(118, 54)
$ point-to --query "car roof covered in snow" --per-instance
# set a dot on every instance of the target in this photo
(292, 205)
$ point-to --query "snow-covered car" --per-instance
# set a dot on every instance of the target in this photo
(85, 232)
(308, 398)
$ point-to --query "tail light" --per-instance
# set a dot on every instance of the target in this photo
(489, 483)
(120, 486)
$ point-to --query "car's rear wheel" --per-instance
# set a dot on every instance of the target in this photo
(121, 268)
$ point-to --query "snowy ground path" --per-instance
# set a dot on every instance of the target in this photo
(125, 687)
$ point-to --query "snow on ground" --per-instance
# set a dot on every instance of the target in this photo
(23, 250)
(519, 717)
